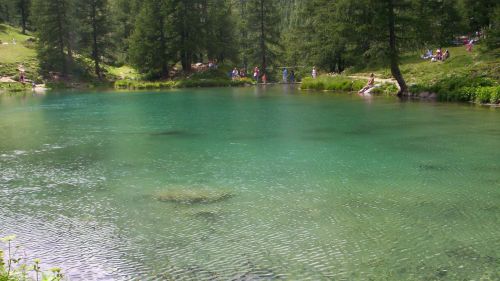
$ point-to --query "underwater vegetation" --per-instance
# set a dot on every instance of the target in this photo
(192, 196)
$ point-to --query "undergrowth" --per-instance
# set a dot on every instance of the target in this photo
(332, 83)
(14, 267)
(184, 83)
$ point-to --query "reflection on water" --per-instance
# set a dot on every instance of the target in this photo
(323, 186)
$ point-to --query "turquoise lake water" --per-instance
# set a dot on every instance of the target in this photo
(324, 186)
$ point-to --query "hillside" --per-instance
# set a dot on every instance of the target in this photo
(21, 53)
(460, 63)
(465, 76)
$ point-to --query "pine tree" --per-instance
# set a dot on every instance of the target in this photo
(149, 48)
(263, 21)
(94, 30)
(123, 14)
(188, 22)
(53, 24)
(23, 7)
(220, 41)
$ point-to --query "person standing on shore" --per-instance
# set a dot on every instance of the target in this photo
(292, 76)
(314, 73)
(256, 74)
(285, 75)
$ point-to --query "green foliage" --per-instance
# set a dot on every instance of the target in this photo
(183, 83)
(220, 39)
(493, 31)
(15, 87)
(54, 24)
(149, 50)
(387, 89)
(14, 268)
(94, 31)
(144, 85)
(463, 89)
(261, 37)
(333, 83)
(485, 94)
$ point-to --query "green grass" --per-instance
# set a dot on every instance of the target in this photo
(461, 63)
(15, 87)
(465, 76)
(183, 83)
(123, 72)
(11, 56)
(333, 83)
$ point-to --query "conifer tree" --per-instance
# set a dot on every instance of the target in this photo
(23, 7)
(188, 22)
(150, 50)
(94, 30)
(263, 22)
(220, 41)
(54, 25)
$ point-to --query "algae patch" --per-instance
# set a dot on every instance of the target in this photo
(192, 196)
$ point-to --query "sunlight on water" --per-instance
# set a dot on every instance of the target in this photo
(246, 184)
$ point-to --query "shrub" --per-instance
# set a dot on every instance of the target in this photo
(15, 87)
(463, 89)
(488, 95)
(333, 83)
(495, 95)
(143, 85)
(184, 83)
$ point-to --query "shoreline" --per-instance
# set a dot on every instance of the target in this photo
(169, 85)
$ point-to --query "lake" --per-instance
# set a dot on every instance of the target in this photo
(319, 186)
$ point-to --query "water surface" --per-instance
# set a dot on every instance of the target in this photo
(325, 186)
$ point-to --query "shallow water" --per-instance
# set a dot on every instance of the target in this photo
(325, 186)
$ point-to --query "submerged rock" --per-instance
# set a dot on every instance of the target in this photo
(173, 133)
(192, 196)
(209, 215)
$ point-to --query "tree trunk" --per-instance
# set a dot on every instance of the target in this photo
(393, 52)
(262, 37)
(185, 53)
(163, 45)
(95, 47)
(24, 15)
(64, 68)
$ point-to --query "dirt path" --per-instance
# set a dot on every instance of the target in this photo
(7, 80)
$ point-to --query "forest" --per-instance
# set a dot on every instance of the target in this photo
(162, 38)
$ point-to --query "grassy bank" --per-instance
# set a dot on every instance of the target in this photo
(345, 84)
(15, 87)
(211, 78)
(183, 83)
(332, 83)
(21, 53)
(465, 76)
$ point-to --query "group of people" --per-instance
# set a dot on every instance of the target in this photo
(238, 73)
(288, 78)
(242, 73)
(439, 56)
